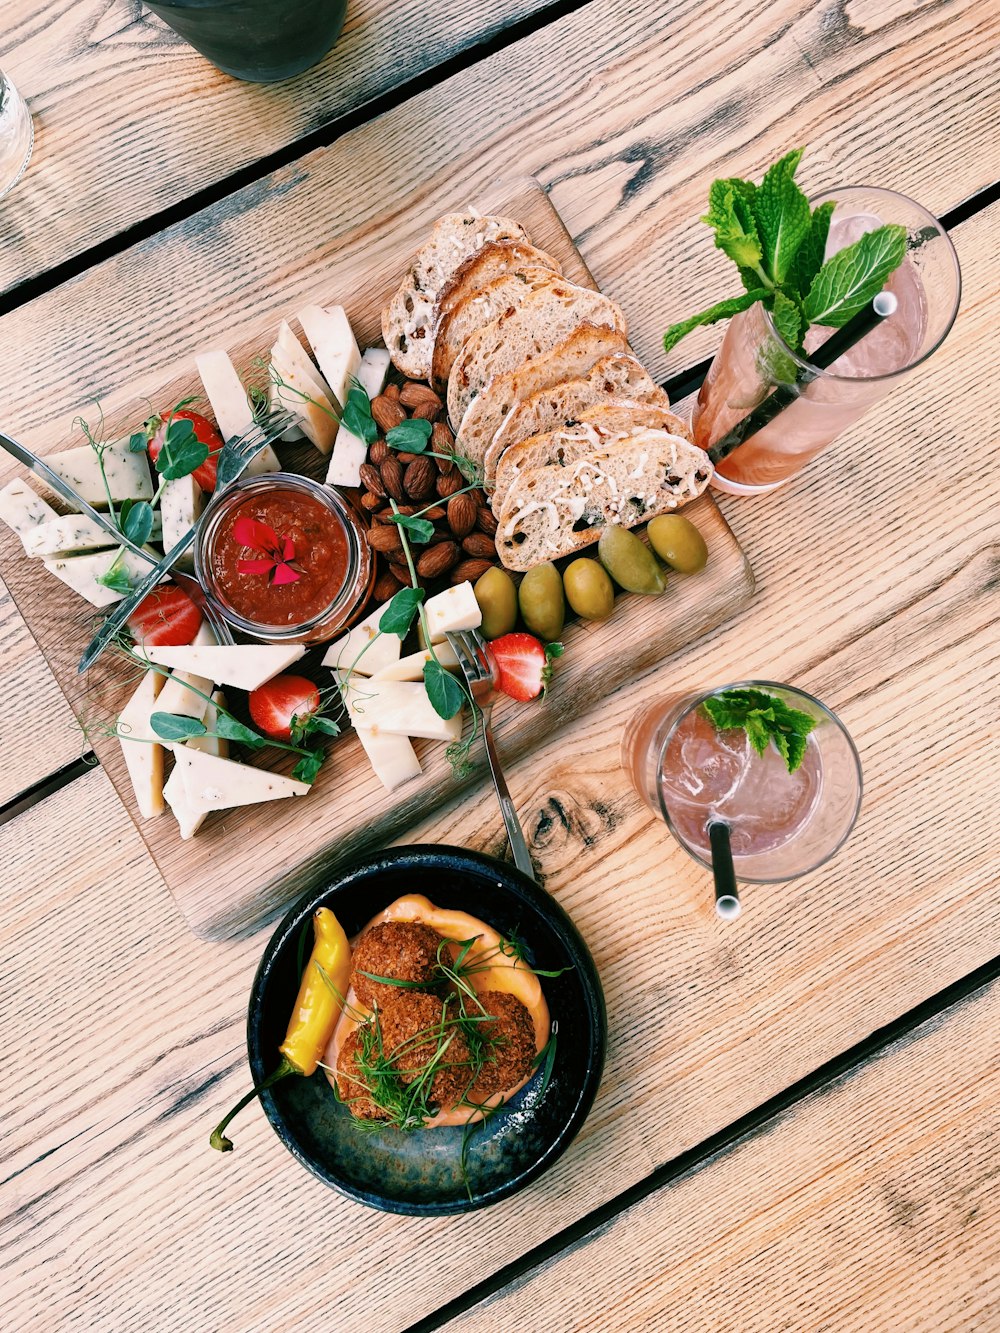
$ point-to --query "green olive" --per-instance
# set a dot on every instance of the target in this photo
(676, 540)
(629, 561)
(589, 591)
(543, 608)
(497, 598)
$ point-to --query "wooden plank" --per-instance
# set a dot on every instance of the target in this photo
(627, 165)
(238, 870)
(626, 140)
(130, 120)
(872, 1205)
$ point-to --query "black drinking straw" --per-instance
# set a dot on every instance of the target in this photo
(835, 346)
(727, 895)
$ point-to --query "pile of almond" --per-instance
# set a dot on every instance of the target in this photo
(462, 546)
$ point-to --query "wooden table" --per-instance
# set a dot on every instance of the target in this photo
(800, 1118)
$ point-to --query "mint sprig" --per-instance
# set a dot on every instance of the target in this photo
(765, 718)
(778, 245)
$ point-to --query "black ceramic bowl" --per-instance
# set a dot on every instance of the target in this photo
(422, 1172)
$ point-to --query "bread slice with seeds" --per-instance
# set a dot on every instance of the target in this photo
(611, 379)
(493, 260)
(574, 356)
(599, 427)
(408, 320)
(496, 298)
(538, 324)
(553, 511)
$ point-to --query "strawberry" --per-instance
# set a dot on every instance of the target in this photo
(274, 704)
(525, 665)
(205, 475)
(167, 618)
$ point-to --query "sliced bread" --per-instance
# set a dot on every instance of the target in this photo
(492, 260)
(553, 511)
(601, 427)
(538, 324)
(496, 298)
(573, 357)
(408, 320)
(611, 379)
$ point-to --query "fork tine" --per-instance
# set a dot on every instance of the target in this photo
(474, 647)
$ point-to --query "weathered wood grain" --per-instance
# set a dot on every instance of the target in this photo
(872, 1205)
(627, 152)
(240, 869)
(706, 1021)
(130, 121)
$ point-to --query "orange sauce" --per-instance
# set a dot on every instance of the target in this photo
(503, 973)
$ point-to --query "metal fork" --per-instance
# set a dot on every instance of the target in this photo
(479, 668)
(62, 488)
(236, 457)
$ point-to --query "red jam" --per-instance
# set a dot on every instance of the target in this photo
(321, 559)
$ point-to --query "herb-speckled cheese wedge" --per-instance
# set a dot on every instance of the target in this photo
(180, 504)
(67, 534)
(127, 474)
(81, 573)
(23, 511)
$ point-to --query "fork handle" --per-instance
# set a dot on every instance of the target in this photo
(522, 857)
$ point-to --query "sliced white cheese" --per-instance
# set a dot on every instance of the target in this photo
(452, 610)
(362, 649)
(190, 820)
(81, 573)
(211, 783)
(217, 745)
(180, 505)
(373, 371)
(23, 511)
(392, 757)
(178, 694)
(412, 667)
(66, 534)
(399, 708)
(128, 474)
(303, 390)
(143, 760)
(334, 347)
(228, 398)
(243, 665)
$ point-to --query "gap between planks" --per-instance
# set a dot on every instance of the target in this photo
(749, 1126)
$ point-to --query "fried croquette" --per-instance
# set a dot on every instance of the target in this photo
(354, 1082)
(403, 950)
(418, 1030)
(511, 1052)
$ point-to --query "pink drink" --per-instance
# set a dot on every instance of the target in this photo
(781, 824)
(926, 287)
(709, 775)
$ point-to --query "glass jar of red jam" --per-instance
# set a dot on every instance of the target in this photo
(320, 538)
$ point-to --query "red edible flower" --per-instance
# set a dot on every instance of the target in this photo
(277, 552)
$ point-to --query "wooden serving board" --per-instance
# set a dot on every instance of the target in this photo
(245, 865)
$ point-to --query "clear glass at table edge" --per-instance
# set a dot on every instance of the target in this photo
(782, 825)
(17, 135)
(927, 286)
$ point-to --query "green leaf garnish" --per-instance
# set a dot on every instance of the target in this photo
(308, 767)
(172, 727)
(853, 276)
(116, 577)
(136, 521)
(443, 690)
(182, 451)
(357, 415)
(411, 436)
(230, 729)
(311, 725)
(138, 441)
(778, 246)
(420, 529)
(398, 616)
(765, 718)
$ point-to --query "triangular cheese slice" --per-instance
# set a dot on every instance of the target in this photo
(334, 347)
(228, 398)
(243, 665)
(211, 783)
(300, 387)
(143, 760)
(363, 649)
